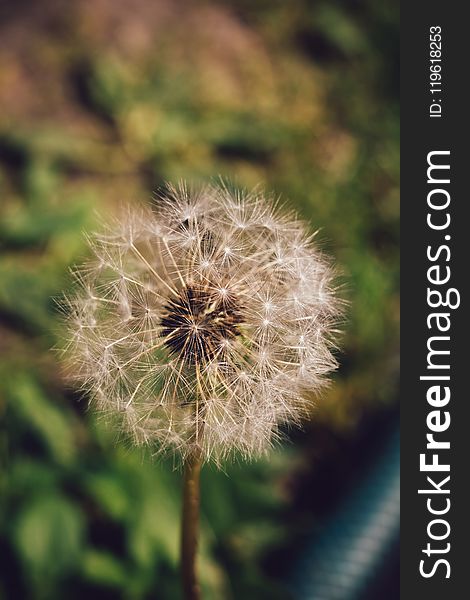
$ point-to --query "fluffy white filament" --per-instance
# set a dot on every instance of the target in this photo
(205, 320)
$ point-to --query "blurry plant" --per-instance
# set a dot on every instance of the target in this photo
(202, 326)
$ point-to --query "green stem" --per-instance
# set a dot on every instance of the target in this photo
(190, 526)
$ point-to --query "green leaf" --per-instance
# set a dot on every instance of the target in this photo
(48, 536)
(111, 493)
(103, 568)
(27, 399)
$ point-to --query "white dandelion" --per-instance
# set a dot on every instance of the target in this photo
(205, 321)
(205, 324)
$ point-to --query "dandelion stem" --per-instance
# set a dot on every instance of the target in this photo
(190, 526)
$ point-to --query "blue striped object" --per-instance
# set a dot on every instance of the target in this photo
(341, 560)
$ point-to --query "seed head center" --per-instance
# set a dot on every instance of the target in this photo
(199, 323)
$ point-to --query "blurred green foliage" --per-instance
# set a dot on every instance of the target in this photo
(101, 103)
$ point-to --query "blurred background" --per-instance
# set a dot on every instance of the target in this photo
(100, 102)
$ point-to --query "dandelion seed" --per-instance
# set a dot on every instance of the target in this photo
(205, 322)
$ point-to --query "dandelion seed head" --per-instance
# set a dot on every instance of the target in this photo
(205, 320)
